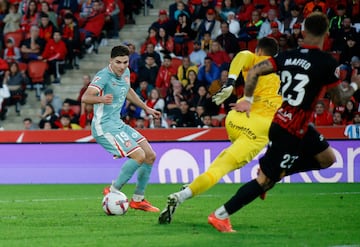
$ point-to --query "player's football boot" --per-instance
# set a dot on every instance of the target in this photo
(263, 195)
(143, 205)
(166, 215)
(106, 190)
(219, 224)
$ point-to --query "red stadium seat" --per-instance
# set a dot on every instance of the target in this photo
(18, 37)
(36, 71)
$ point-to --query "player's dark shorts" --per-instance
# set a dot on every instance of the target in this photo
(288, 154)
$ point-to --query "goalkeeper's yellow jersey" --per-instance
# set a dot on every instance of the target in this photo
(266, 97)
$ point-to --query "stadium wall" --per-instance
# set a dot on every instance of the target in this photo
(177, 162)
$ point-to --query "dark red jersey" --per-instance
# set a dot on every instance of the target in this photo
(305, 73)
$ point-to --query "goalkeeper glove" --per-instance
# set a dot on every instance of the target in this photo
(225, 92)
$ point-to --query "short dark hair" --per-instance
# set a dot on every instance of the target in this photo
(317, 24)
(268, 45)
(120, 50)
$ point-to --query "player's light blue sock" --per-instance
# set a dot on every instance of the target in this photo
(127, 171)
(143, 177)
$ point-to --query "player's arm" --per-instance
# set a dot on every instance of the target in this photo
(91, 96)
(134, 98)
(263, 68)
(240, 62)
(340, 96)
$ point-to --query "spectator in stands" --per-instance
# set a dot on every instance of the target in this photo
(90, 31)
(71, 36)
(65, 123)
(150, 49)
(321, 116)
(208, 72)
(133, 57)
(275, 33)
(86, 82)
(295, 18)
(65, 6)
(200, 10)
(150, 39)
(208, 24)
(28, 124)
(207, 120)
(131, 7)
(251, 28)
(140, 123)
(352, 130)
(143, 90)
(49, 115)
(227, 6)
(337, 119)
(350, 109)
(165, 22)
(112, 24)
(234, 25)
(149, 71)
(202, 97)
(164, 43)
(312, 5)
(48, 97)
(245, 12)
(294, 36)
(265, 28)
(181, 10)
(16, 81)
(11, 52)
(187, 117)
(46, 27)
(55, 54)
(164, 74)
(12, 19)
(337, 20)
(46, 8)
(191, 85)
(173, 8)
(283, 42)
(67, 110)
(157, 123)
(197, 56)
(172, 100)
(183, 70)
(86, 117)
(219, 55)
(228, 41)
(30, 18)
(4, 94)
(206, 42)
(341, 35)
(155, 101)
(351, 49)
(32, 47)
(183, 35)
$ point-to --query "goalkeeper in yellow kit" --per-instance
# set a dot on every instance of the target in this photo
(248, 134)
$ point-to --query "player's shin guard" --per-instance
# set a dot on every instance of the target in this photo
(246, 194)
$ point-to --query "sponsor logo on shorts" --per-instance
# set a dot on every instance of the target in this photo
(243, 130)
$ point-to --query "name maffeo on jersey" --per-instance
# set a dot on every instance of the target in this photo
(298, 62)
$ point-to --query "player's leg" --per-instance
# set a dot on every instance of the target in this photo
(316, 153)
(272, 170)
(143, 175)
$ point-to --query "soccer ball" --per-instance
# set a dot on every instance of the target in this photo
(115, 203)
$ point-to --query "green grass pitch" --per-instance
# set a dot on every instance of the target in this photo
(71, 215)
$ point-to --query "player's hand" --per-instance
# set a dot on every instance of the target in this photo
(242, 106)
(222, 94)
(153, 112)
(107, 99)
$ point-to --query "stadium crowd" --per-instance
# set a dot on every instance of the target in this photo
(183, 61)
